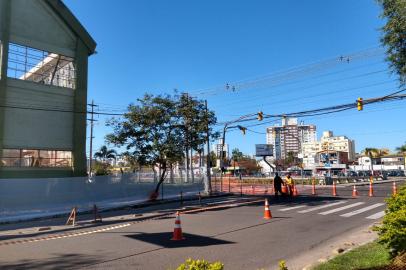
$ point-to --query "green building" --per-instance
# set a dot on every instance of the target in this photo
(44, 54)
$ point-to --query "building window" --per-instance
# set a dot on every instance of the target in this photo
(36, 158)
(29, 64)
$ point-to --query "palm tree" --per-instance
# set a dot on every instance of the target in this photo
(104, 153)
(401, 149)
(383, 152)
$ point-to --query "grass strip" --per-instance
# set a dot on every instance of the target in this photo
(369, 256)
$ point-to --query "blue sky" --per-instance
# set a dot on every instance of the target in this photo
(157, 45)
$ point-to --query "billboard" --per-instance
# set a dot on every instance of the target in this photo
(262, 150)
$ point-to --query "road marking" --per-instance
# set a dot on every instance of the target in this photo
(362, 210)
(341, 208)
(321, 207)
(291, 208)
(377, 215)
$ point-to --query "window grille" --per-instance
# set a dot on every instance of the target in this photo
(29, 64)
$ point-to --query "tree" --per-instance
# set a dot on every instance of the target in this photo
(150, 131)
(195, 121)
(153, 131)
(104, 153)
(394, 35)
(213, 159)
(401, 149)
(236, 154)
(383, 152)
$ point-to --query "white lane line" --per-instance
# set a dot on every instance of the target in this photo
(362, 210)
(292, 208)
(377, 215)
(341, 208)
(321, 207)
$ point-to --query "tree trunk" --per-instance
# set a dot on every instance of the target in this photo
(161, 178)
(187, 165)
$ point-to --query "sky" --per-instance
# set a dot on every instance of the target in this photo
(281, 56)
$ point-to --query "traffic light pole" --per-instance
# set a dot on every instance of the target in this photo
(222, 157)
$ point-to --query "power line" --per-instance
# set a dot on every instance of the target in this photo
(291, 73)
(327, 110)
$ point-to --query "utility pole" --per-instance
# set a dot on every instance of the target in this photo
(207, 186)
(91, 136)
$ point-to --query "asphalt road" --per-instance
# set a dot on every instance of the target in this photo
(238, 236)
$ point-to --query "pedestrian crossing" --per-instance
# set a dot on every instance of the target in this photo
(362, 210)
(340, 208)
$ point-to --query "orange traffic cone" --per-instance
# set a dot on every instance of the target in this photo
(334, 189)
(354, 192)
(371, 190)
(177, 232)
(295, 193)
(394, 189)
(284, 189)
(267, 213)
(313, 187)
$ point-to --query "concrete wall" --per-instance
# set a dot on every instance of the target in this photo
(24, 198)
(33, 23)
(30, 129)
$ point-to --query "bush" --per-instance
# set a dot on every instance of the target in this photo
(101, 168)
(200, 265)
(392, 232)
(282, 265)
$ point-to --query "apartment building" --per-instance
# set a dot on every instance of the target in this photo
(289, 137)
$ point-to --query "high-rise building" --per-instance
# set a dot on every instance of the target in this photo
(289, 137)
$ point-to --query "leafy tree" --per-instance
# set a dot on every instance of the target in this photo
(195, 121)
(401, 149)
(153, 131)
(213, 159)
(394, 35)
(236, 154)
(104, 153)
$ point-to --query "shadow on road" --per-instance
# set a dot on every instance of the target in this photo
(191, 240)
(60, 261)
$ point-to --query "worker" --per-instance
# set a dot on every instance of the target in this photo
(277, 184)
(289, 182)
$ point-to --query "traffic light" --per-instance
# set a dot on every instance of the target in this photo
(243, 129)
(360, 104)
(260, 116)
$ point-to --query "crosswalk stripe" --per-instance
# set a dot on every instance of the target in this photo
(292, 208)
(321, 207)
(356, 212)
(341, 208)
(377, 215)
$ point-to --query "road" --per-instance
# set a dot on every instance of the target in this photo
(237, 235)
